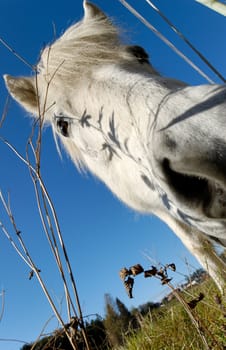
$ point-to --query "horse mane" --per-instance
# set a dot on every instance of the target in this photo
(82, 47)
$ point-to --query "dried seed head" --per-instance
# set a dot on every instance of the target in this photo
(31, 274)
(171, 266)
(151, 272)
(74, 323)
(162, 273)
(193, 303)
(136, 269)
(129, 286)
(201, 296)
(123, 273)
(165, 280)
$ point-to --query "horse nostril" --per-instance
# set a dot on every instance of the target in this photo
(62, 127)
(191, 187)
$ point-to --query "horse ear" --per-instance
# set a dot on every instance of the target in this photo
(23, 90)
(92, 11)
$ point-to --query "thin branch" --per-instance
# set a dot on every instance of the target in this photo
(190, 314)
(5, 110)
(45, 206)
(37, 273)
(165, 40)
(7, 143)
(52, 242)
(56, 222)
(188, 42)
(41, 333)
(4, 230)
(13, 340)
(14, 245)
(3, 304)
(15, 53)
(45, 192)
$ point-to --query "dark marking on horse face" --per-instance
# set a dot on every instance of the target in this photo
(110, 150)
(187, 218)
(148, 182)
(183, 217)
(84, 121)
(216, 240)
(166, 202)
(170, 143)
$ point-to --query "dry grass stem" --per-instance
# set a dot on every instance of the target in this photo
(47, 213)
(162, 274)
(165, 40)
(42, 332)
(5, 110)
(15, 53)
(2, 295)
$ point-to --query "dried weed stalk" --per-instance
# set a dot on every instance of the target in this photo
(49, 220)
(2, 295)
(127, 276)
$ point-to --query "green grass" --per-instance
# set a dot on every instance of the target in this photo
(173, 326)
(170, 326)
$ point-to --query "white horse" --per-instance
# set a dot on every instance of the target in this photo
(158, 144)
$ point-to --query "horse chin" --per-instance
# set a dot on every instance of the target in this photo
(204, 195)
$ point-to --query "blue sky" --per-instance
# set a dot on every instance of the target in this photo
(101, 234)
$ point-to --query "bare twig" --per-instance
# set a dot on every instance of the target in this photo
(3, 304)
(15, 53)
(6, 233)
(56, 222)
(46, 209)
(188, 42)
(191, 315)
(5, 110)
(37, 273)
(165, 40)
(162, 274)
(12, 340)
(41, 333)
(44, 214)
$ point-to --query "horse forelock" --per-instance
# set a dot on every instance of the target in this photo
(85, 46)
(81, 48)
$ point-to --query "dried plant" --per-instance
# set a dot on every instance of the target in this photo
(162, 274)
(50, 224)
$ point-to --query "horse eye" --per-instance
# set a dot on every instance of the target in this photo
(63, 127)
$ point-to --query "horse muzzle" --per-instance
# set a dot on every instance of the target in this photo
(190, 149)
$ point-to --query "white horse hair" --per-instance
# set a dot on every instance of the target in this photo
(157, 143)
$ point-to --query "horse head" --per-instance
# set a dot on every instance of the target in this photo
(157, 143)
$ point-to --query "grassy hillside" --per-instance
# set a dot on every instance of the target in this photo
(197, 321)
(170, 327)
